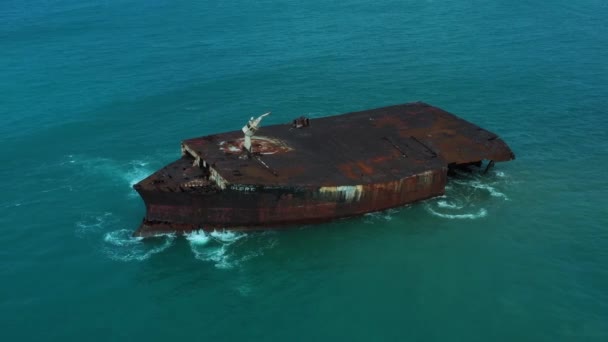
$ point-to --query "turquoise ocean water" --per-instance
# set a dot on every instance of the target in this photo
(95, 95)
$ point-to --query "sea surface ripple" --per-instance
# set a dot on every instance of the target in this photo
(96, 95)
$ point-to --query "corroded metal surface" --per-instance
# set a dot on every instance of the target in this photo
(262, 145)
(332, 167)
(358, 148)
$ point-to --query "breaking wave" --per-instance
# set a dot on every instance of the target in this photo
(466, 195)
(137, 170)
(448, 205)
(216, 254)
(226, 236)
(120, 245)
(490, 189)
(228, 249)
(222, 248)
(198, 238)
(386, 215)
(95, 223)
(471, 216)
(128, 173)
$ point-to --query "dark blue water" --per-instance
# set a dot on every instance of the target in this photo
(95, 95)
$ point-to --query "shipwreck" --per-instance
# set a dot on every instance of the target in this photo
(313, 170)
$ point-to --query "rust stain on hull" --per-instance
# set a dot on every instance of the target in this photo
(330, 168)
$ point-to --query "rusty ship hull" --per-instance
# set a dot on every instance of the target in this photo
(312, 171)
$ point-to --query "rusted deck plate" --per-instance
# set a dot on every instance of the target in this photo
(370, 146)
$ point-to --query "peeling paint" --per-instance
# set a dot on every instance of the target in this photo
(348, 193)
(217, 178)
(425, 178)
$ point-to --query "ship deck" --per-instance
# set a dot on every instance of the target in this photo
(365, 147)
